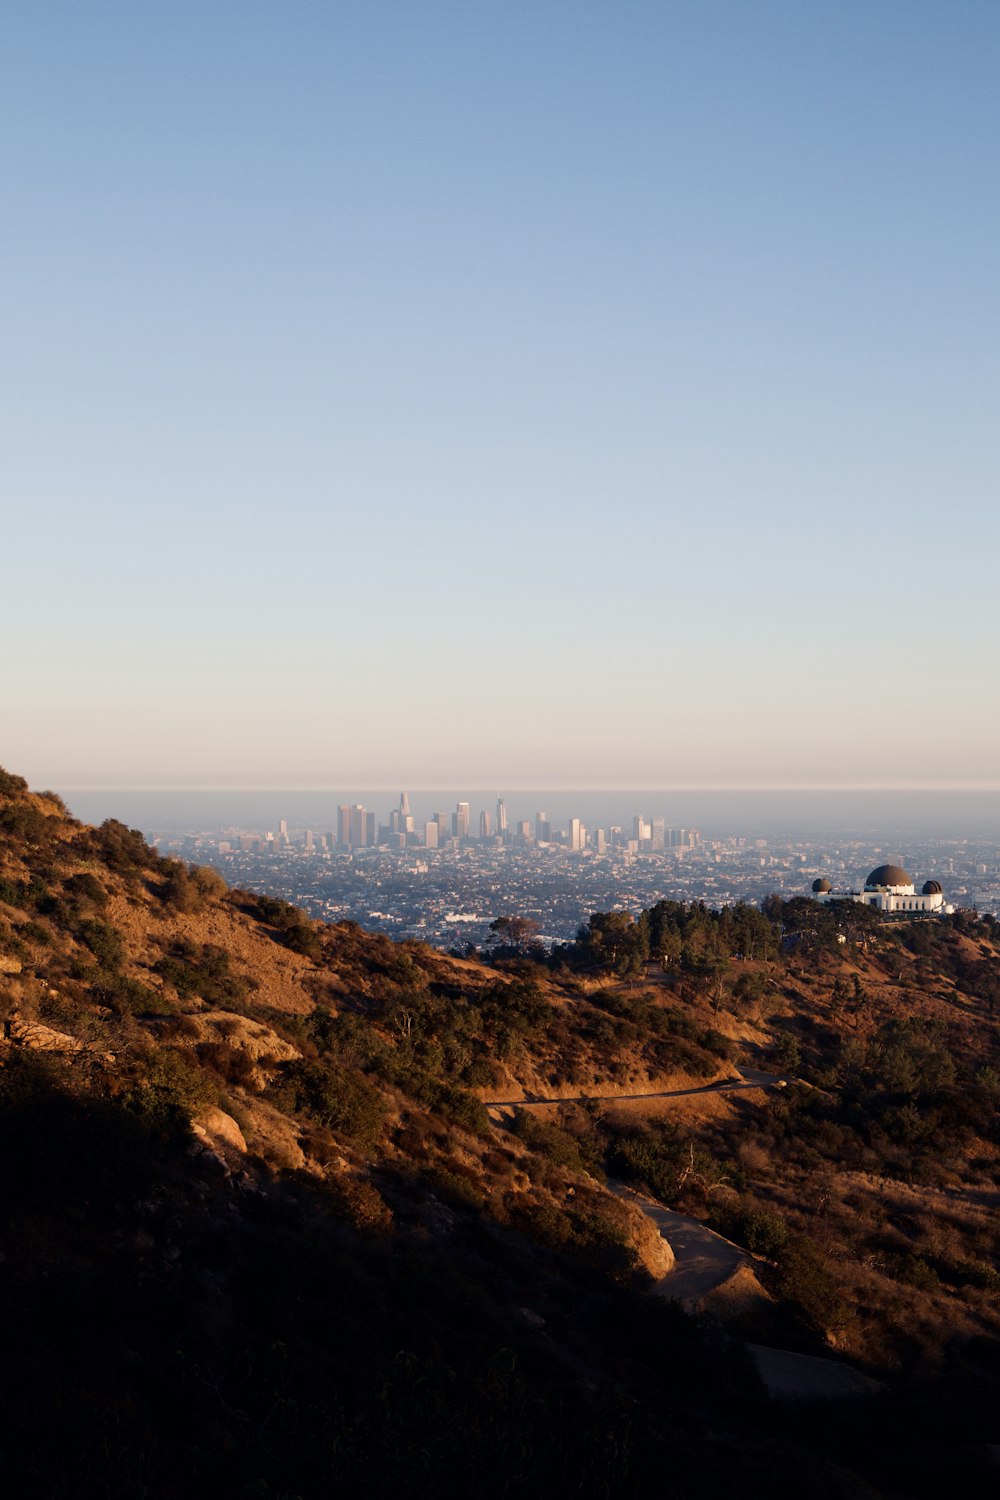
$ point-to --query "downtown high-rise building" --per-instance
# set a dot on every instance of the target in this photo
(501, 817)
(355, 827)
(484, 824)
(460, 820)
(400, 819)
(543, 828)
(344, 826)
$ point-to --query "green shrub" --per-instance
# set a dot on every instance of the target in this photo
(303, 939)
(760, 1229)
(294, 926)
(543, 1222)
(10, 785)
(22, 821)
(127, 997)
(361, 1202)
(190, 888)
(462, 1108)
(340, 1098)
(805, 1280)
(34, 932)
(455, 1189)
(232, 1064)
(582, 1230)
(86, 887)
(555, 1144)
(122, 849)
(170, 1087)
(104, 943)
(10, 943)
(654, 1162)
(787, 1053)
(203, 971)
(750, 987)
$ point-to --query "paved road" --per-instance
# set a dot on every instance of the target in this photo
(749, 1078)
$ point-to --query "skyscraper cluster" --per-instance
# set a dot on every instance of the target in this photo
(357, 829)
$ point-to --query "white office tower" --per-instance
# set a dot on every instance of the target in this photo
(577, 835)
(431, 834)
(501, 817)
(484, 825)
(460, 821)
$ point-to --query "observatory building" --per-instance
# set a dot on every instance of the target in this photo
(892, 891)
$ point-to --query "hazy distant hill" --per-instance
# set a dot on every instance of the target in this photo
(262, 1237)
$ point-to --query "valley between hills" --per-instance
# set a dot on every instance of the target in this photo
(293, 1210)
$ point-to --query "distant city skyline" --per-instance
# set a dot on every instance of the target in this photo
(426, 882)
(894, 815)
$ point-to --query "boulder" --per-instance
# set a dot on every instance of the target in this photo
(41, 1038)
(219, 1131)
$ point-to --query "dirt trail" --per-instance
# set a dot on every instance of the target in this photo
(749, 1078)
(704, 1260)
(704, 1263)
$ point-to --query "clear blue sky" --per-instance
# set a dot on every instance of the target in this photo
(489, 392)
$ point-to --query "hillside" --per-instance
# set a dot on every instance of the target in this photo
(262, 1233)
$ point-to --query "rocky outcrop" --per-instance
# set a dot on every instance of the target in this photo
(41, 1038)
(219, 1132)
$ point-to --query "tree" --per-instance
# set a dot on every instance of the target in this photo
(787, 1054)
(615, 936)
(519, 933)
(773, 907)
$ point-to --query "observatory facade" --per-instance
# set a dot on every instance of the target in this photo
(892, 891)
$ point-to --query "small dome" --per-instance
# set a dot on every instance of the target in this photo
(888, 875)
(821, 885)
(931, 888)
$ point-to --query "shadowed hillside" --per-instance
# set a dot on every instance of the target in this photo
(262, 1236)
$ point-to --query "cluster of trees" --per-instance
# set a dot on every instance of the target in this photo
(678, 935)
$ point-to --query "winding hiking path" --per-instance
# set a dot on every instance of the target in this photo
(703, 1260)
(748, 1078)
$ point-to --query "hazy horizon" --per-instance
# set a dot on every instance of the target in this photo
(871, 815)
